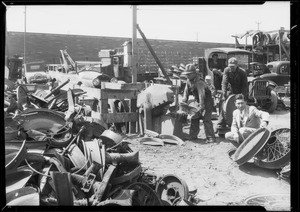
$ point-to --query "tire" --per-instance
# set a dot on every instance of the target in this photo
(274, 101)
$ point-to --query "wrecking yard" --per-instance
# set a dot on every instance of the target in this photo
(80, 133)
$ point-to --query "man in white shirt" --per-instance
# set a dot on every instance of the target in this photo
(246, 119)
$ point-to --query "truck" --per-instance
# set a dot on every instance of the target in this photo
(266, 46)
(35, 72)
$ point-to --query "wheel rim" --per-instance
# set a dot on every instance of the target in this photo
(276, 152)
(170, 188)
(278, 202)
(251, 146)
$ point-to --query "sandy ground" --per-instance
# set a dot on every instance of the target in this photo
(208, 168)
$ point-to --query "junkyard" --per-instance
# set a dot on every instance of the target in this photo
(105, 133)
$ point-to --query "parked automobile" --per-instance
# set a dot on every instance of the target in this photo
(257, 69)
(280, 72)
(35, 72)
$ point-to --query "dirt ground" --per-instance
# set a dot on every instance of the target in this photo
(208, 168)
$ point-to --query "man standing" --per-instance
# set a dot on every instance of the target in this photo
(198, 88)
(235, 78)
(246, 119)
(216, 68)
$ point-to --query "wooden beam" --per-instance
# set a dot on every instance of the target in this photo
(119, 117)
(117, 94)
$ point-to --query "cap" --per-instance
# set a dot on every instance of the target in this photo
(232, 61)
(208, 77)
(190, 68)
(214, 55)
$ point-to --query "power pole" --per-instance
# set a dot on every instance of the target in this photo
(24, 59)
(134, 45)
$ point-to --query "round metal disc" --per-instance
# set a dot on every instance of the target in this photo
(271, 202)
(251, 145)
(170, 188)
(276, 153)
(228, 108)
(14, 155)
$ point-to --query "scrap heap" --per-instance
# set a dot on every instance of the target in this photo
(57, 154)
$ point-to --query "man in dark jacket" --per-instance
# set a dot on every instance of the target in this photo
(197, 87)
(235, 78)
(217, 69)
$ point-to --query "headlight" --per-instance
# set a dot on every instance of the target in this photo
(96, 83)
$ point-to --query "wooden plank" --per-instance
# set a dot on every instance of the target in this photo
(119, 117)
(123, 86)
(133, 108)
(103, 106)
(117, 94)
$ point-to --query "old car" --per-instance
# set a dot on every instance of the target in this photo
(35, 72)
(257, 69)
(280, 72)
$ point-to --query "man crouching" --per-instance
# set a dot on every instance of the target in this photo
(246, 119)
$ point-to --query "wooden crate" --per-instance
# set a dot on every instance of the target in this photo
(103, 114)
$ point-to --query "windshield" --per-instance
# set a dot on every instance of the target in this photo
(35, 68)
(242, 58)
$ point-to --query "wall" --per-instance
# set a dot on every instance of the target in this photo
(42, 46)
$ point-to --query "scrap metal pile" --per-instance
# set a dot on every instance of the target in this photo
(56, 154)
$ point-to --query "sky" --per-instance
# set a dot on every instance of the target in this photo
(203, 23)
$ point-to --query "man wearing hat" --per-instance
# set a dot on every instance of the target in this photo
(198, 88)
(246, 119)
(235, 78)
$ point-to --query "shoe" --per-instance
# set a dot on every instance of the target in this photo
(210, 140)
(191, 137)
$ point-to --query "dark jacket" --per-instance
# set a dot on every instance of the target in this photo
(200, 90)
(238, 81)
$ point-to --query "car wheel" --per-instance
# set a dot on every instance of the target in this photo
(274, 101)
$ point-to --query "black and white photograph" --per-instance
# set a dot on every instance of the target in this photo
(148, 105)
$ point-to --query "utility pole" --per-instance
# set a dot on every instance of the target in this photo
(24, 59)
(134, 45)
(258, 23)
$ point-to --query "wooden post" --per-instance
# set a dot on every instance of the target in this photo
(133, 108)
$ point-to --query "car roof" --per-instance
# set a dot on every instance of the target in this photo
(277, 63)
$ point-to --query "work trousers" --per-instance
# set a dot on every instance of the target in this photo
(244, 133)
(208, 125)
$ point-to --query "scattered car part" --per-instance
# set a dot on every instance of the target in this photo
(144, 195)
(276, 152)
(28, 196)
(63, 188)
(116, 158)
(51, 123)
(170, 188)
(17, 179)
(110, 138)
(152, 141)
(100, 188)
(231, 152)
(128, 177)
(14, 155)
(251, 145)
(278, 202)
(228, 108)
(171, 139)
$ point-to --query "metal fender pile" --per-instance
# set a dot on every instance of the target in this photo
(55, 154)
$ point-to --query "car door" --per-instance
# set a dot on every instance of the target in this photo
(283, 74)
